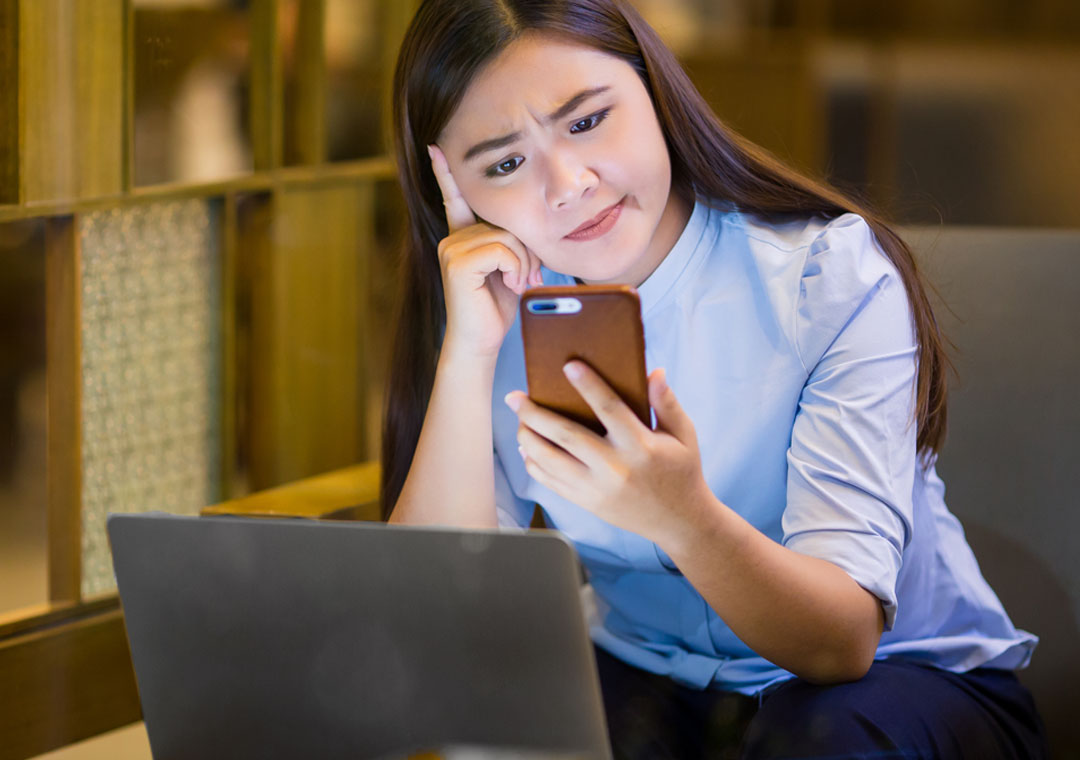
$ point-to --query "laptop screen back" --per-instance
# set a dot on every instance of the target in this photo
(281, 638)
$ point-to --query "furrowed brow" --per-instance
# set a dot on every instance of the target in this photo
(567, 108)
(493, 144)
(559, 113)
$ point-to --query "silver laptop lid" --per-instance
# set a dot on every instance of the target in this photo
(283, 638)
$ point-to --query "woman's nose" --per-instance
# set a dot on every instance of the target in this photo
(569, 179)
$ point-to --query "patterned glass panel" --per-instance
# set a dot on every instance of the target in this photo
(151, 300)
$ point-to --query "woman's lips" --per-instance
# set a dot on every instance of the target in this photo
(598, 225)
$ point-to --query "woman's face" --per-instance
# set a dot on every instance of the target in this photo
(559, 145)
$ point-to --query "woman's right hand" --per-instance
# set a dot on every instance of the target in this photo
(485, 270)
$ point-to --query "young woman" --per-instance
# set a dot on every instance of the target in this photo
(773, 568)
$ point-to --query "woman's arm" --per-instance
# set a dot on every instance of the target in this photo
(451, 478)
(485, 270)
(802, 613)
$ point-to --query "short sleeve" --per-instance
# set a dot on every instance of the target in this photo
(511, 510)
(851, 463)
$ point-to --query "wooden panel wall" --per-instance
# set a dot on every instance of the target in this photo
(64, 681)
(72, 85)
(308, 314)
(9, 101)
(305, 88)
(296, 380)
(265, 101)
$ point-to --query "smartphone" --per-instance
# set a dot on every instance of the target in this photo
(598, 324)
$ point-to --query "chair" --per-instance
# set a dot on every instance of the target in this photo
(1009, 463)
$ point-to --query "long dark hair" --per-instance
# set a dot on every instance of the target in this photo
(446, 45)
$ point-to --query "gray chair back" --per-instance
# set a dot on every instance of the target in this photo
(1010, 464)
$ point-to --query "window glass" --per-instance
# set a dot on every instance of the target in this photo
(191, 83)
(23, 544)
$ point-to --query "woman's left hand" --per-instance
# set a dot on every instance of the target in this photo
(646, 481)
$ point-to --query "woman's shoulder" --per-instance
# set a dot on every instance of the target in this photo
(842, 249)
(801, 233)
(817, 271)
(809, 258)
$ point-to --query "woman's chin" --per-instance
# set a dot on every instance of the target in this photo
(597, 273)
(609, 276)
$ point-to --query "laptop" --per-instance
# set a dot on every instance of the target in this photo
(296, 638)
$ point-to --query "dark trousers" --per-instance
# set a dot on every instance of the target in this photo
(898, 710)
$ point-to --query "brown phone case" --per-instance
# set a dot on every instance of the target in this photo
(606, 334)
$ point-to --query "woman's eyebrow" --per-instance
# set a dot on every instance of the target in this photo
(562, 111)
(566, 108)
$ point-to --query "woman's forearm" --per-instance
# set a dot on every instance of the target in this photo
(801, 613)
(451, 479)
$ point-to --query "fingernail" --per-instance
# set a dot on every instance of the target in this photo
(512, 400)
(430, 153)
(572, 370)
(522, 452)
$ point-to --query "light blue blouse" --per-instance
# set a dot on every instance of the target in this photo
(792, 349)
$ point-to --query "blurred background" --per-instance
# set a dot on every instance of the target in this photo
(198, 219)
(960, 111)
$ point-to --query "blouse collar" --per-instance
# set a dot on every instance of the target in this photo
(664, 277)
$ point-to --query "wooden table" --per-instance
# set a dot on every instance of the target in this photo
(351, 493)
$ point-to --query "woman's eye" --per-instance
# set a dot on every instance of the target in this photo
(506, 167)
(589, 122)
